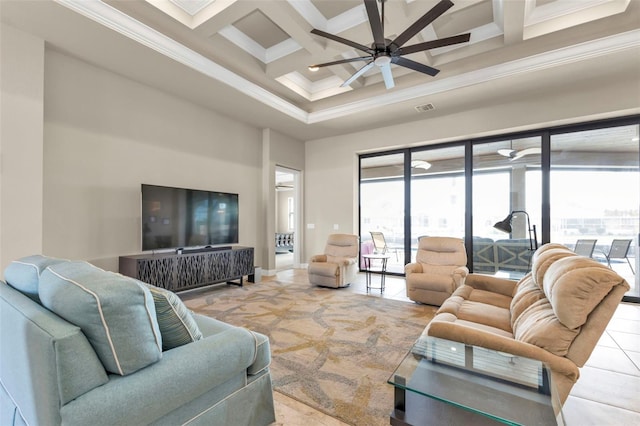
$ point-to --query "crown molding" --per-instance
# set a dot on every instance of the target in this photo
(596, 48)
(112, 18)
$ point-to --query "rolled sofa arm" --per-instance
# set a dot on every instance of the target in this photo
(412, 268)
(460, 275)
(492, 284)
(319, 258)
(182, 375)
(443, 326)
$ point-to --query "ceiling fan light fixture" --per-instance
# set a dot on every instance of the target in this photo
(382, 60)
(507, 152)
(420, 164)
(313, 68)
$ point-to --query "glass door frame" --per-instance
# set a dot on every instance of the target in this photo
(545, 134)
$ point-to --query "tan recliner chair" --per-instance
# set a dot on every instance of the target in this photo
(338, 266)
(440, 268)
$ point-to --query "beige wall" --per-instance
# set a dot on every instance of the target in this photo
(77, 142)
(21, 152)
(105, 135)
(278, 150)
(331, 167)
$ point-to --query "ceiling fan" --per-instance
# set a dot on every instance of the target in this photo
(513, 154)
(384, 52)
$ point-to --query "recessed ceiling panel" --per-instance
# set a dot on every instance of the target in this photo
(261, 29)
(192, 7)
(332, 8)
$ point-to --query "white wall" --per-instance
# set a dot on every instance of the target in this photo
(21, 152)
(331, 166)
(105, 135)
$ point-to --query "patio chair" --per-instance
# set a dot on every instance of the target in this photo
(585, 247)
(619, 250)
(380, 244)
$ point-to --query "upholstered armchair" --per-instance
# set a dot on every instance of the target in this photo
(338, 265)
(440, 268)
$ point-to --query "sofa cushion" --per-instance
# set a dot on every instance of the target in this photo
(543, 259)
(575, 286)
(538, 325)
(465, 307)
(526, 294)
(116, 313)
(444, 251)
(176, 324)
(24, 274)
(482, 313)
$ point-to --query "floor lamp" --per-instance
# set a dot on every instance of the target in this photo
(505, 226)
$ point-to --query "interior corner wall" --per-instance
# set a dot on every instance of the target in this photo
(21, 150)
(331, 166)
(105, 135)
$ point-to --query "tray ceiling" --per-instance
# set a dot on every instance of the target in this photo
(262, 48)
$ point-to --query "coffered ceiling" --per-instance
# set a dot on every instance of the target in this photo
(257, 52)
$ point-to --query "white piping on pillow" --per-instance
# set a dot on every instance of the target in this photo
(104, 323)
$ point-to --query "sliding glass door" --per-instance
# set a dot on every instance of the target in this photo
(506, 205)
(437, 194)
(595, 196)
(505, 196)
(382, 207)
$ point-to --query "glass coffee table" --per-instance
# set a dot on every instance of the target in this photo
(443, 382)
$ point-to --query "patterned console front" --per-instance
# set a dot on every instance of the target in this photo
(178, 272)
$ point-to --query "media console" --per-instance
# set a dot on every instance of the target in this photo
(190, 269)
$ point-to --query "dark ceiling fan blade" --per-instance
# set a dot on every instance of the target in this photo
(358, 73)
(425, 20)
(375, 22)
(447, 41)
(343, 41)
(416, 66)
(342, 61)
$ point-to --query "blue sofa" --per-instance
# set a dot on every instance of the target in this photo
(54, 372)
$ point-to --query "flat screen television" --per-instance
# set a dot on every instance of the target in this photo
(178, 217)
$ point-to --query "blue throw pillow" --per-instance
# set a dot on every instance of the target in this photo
(176, 324)
(24, 274)
(116, 313)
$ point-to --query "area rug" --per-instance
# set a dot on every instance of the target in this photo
(331, 349)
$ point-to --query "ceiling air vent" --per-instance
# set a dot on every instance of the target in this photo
(425, 107)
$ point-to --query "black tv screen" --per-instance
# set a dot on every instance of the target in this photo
(178, 217)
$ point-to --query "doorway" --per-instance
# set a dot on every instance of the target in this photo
(287, 252)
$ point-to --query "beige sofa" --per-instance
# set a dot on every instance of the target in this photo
(555, 314)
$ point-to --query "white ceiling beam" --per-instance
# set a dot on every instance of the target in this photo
(511, 17)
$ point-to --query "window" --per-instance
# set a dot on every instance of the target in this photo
(553, 185)
(290, 214)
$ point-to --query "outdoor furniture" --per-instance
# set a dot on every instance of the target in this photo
(585, 247)
(619, 250)
(380, 244)
(338, 266)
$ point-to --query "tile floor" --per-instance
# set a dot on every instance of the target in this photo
(607, 393)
